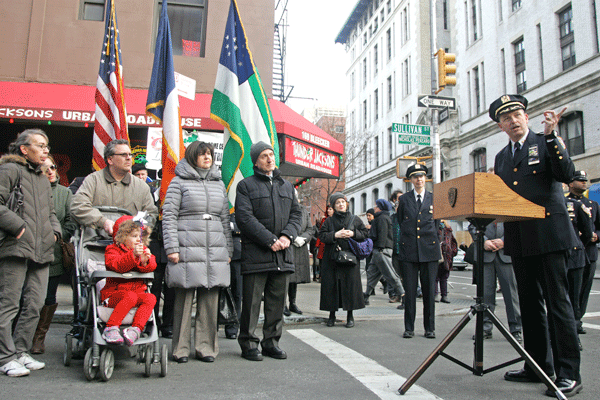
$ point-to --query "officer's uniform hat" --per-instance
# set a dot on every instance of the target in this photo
(580, 176)
(506, 104)
(416, 170)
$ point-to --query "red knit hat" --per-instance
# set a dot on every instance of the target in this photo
(118, 224)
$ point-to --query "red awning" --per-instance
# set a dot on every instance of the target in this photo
(75, 104)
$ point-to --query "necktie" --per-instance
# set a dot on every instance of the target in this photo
(516, 149)
(419, 201)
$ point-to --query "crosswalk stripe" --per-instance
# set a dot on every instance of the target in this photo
(591, 326)
(375, 377)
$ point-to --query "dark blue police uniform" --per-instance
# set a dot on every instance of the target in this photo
(538, 248)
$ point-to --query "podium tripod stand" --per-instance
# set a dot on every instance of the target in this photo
(471, 191)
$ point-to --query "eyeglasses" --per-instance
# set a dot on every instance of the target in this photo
(41, 146)
(126, 155)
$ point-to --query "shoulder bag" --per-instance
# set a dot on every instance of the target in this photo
(344, 258)
(14, 202)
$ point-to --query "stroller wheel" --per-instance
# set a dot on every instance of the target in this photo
(148, 369)
(164, 359)
(68, 350)
(89, 370)
(107, 364)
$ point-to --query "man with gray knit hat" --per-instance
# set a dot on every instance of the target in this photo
(382, 234)
(268, 216)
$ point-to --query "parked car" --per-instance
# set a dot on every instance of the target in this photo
(458, 262)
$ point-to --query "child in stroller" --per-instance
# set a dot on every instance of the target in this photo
(129, 252)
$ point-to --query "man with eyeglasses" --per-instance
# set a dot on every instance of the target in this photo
(27, 249)
(112, 186)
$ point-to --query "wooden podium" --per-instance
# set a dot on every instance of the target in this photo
(481, 198)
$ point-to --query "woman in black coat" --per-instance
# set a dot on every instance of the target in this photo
(341, 286)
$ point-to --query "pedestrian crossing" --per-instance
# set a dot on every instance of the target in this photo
(375, 377)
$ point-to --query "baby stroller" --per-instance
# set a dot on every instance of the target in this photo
(90, 321)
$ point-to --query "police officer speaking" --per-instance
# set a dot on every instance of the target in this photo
(534, 165)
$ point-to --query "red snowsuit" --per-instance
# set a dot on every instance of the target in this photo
(124, 294)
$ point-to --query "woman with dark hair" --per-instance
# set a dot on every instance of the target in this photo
(62, 206)
(197, 239)
(341, 286)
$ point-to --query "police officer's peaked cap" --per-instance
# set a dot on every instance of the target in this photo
(505, 104)
(416, 169)
(580, 176)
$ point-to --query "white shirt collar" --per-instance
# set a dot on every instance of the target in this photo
(522, 141)
(417, 194)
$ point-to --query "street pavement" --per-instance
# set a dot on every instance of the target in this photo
(369, 361)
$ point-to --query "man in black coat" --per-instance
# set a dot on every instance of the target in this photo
(534, 165)
(576, 190)
(268, 215)
(419, 250)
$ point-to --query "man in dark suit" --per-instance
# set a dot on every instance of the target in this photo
(419, 250)
(534, 165)
(576, 190)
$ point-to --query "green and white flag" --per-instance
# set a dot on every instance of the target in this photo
(239, 104)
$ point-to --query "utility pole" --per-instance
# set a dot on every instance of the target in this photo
(434, 111)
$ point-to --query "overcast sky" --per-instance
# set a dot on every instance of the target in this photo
(315, 65)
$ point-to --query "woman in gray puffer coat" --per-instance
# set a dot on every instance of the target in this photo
(197, 238)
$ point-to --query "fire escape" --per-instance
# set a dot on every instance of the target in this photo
(281, 91)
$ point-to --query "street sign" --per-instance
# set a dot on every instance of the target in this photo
(429, 101)
(444, 115)
(413, 134)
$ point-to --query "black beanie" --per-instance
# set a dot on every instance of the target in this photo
(258, 148)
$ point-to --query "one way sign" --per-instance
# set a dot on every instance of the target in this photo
(440, 102)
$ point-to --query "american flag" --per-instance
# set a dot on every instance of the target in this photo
(111, 117)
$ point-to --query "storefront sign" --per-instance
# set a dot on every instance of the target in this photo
(311, 157)
(84, 116)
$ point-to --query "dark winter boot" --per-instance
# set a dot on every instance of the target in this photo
(292, 290)
(43, 325)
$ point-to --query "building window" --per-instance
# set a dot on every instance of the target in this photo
(390, 143)
(376, 104)
(388, 191)
(365, 114)
(363, 203)
(406, 77)
(479, 161)
(520, 65)
(539, 34)
(445, 13)
(567, 39)
(500, 10)
(375, 60)
(476, 90)
(516, 4)
(375, 195)
(351, 205)
(503, 69)
(570, 128)
(364, 73)
(352, 87)
(404, 21)
(388, 42)
(474, 18)
(376, 152)
(91, 10)
(187, 19)
(389, 92)
(365, 158)
(338, 129)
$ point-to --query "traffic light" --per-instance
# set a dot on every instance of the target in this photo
(444, 69)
